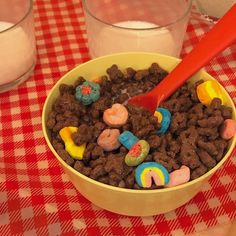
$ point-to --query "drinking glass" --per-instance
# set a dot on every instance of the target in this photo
(136, 25)
(17, 42)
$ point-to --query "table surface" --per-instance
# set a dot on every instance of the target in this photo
(36, 197)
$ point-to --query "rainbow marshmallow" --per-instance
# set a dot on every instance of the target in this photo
(164, 118)
(147, 172)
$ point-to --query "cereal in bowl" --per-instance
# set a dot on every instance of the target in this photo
(126, 146)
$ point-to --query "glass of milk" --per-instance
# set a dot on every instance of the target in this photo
(17, 42)
(136, 25)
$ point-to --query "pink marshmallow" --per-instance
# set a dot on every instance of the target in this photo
(179, 176)
(228, 129)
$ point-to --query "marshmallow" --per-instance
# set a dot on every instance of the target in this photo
(179, 176)
(88, 92)
(228, 129)
(164, 118)
(116, 116)
(148, 172)
(208, 90)
(137, 153)
(108, 139)
(128, 139)
(74, 150)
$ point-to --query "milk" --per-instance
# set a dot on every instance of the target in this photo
(131, 36)
(16, 53)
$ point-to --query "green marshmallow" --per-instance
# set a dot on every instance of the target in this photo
(137, 153)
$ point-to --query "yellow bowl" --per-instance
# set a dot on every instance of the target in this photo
(128, 201)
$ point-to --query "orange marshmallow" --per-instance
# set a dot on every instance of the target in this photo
(208, 90)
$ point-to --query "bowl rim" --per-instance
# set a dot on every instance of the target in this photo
(126, 190)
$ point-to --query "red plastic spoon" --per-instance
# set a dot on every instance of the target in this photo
(218, 38)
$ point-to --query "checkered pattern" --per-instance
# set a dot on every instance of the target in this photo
(36, 197)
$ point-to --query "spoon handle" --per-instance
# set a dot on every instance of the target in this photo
(222, 35)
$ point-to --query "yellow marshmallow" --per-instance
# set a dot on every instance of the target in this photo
(158, 115)
(74, 150)
(207, 91)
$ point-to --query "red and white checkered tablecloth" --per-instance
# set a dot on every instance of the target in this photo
(36, 197)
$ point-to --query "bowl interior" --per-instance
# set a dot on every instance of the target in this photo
(97, 67)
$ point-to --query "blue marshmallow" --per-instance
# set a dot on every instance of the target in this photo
(128, 139)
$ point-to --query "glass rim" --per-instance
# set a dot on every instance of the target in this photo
(136, 29)
(21, 19)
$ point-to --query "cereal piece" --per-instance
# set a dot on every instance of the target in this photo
(156, 70)
(51, 122)
(228, 129)
(226, 112)
(66, 157)
(216, 103)
(64, 88)
(197, 110)
(164, 118)
(162, 158)
(148, 171)
(104, 179)
(221, 145)
(189, 136)
(140, 74)
(74, 150)
(174, 147)
(79, 166)
(206, 159)
(210, 133)
(115, 74)
(58, 145)
(209, 147)
(172, 105)
(130, 180)
(179, 176)
(114, 178)
(108, 139)
(148, 158)
(192, 120)
(121, 184)
(144, 132)
(97, 152)
(193, 95)
(199, 171)
(211, 122)
(185, 104)
(137, 153)
(130, 72)
(116, 116)
(209, 90)
(97, 172)
(115, 163)
(179, 122)
(128, 139)
(83, 135)
(154, 141)
(88, 152)
(80, 80)
(88, 92)
(122, 98)
(98, 161)
(189, 157)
